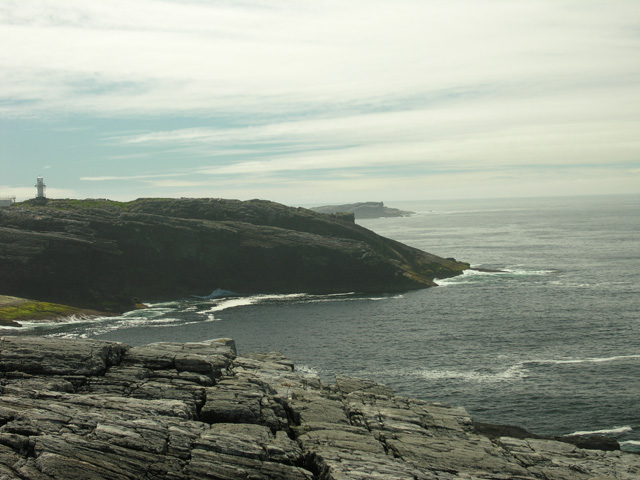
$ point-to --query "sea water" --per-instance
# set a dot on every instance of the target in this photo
(551, 342)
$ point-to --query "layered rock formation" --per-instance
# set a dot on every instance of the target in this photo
(86, 409)
(103, 255)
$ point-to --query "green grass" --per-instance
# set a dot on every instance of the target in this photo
(32, 310)
(75, 204)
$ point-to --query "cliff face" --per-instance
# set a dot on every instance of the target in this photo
(101, 254)
(86, 409)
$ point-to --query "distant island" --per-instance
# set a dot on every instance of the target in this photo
(364, 210)
(106, 256)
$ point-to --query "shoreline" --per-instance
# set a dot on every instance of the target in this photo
(196, 410)
(16, 309)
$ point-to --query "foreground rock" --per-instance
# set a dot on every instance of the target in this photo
(85, 409)
(364, 210)
(103, 255)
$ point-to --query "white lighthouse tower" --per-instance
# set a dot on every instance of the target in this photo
(40, 186)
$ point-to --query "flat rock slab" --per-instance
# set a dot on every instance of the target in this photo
(86, 409)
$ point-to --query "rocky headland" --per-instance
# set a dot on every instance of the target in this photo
(88, 409)
(105, 255)
(364, 210)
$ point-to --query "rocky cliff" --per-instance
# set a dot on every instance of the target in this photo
(86, 409)
(102, 254)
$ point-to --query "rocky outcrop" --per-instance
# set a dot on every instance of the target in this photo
(103, 255)
(14, 309)
(87, 409)
(363, 210)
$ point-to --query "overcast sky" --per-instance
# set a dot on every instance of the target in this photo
(323, 101)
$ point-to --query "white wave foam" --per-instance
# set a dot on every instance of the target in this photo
(307, 371)
(584, 360)
(235, 302)
(246, 301)
(231, 303)
(528, 272)
(150, 312)
(377, 299)
(630, 442)
(171, 304)
(514, 372)
(608, 431)
(347, 297)
(179, 323)
(599, 285)
(70, 320)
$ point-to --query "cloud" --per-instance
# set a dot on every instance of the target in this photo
(280, 93)
(153, 56)
(466, 135)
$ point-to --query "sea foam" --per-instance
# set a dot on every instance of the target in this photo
(584, 360)
(609, 431)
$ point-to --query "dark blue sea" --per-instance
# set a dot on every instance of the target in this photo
(551, 343)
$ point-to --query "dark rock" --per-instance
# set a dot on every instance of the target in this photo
(593, 442)
(494, 431)
(105, 255)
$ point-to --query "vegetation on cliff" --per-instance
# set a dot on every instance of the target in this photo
(106, 255)
(14, 309)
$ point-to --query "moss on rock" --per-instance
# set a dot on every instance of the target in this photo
(15, 309)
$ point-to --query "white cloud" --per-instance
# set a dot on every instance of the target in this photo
(153, 56)
(465, 135)
(461, 88)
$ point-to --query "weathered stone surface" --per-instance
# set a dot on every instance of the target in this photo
(168, 248)
(198, 411)
(65, 357)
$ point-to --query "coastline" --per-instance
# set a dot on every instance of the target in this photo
(16, 309)
(199, 410)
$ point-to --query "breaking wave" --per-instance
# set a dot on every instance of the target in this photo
(609, 431)
(584, 360)
(477, 275)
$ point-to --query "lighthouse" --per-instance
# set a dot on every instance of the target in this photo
(40, 186)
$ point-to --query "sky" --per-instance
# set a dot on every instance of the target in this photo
(318, 102)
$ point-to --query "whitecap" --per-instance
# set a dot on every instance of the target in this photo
(584, 360)
(148, 312)
(514, 372)
(181, 323)
(608, 431)
(468, 276)
(523, 271)
(235, 302)
(348, 297)
(171, 304)
(70, 320)
(231, 303)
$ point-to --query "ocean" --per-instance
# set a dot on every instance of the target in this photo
(550, 343)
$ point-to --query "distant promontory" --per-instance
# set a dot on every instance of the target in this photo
(364, 210)
(107, 256)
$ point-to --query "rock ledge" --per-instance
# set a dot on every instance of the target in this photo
(88, 409)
